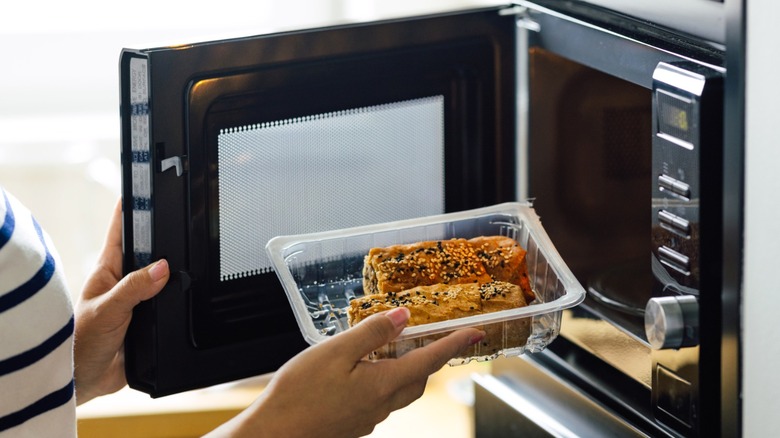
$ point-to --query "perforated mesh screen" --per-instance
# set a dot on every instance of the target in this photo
(326, 171)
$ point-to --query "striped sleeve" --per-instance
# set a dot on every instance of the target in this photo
(36, 331)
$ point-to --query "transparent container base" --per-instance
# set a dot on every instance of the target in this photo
(322, 272)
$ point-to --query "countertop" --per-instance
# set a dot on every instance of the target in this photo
(445, 409)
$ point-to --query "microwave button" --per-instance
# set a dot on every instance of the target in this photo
(674, 186)
(673, 259)
(674, 223)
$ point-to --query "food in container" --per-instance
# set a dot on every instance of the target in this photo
(323, 272)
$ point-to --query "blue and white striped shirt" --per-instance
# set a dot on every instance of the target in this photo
(36, 330)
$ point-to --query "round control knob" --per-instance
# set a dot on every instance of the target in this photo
(672, 322)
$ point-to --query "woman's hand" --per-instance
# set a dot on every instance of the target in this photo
(327, 390)
(331, 390)
(103, 313)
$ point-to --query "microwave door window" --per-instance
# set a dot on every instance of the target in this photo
(323, 172)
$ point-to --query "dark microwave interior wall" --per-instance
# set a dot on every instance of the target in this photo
(590, 166)
(232, 311)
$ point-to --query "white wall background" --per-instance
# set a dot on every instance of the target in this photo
(59, 92)
(760, 317)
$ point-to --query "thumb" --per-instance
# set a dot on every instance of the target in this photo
(372, 333)
(140, 285)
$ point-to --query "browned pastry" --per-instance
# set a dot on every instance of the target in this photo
(400, 267)
(456, 261)
(440, 302)
(504, 259)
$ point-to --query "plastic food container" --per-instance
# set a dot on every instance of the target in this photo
(322, 272)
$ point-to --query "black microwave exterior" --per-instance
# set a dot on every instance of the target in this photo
(639, 385)
(178, 341)
(201, 331)
(703, 20)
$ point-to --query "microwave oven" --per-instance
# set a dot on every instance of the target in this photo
(612, 125)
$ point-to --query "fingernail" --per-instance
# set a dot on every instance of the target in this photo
(399, 316)
(476, 338)
(158, 270)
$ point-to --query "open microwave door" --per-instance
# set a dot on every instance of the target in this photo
(226, 144)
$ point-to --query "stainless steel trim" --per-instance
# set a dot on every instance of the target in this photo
(524, 406)
(544, 406)
(677, 141)
(625, 57)
(700, 18)
(522, 98)
(683, 79)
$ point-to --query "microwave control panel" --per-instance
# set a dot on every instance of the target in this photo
(685, 132)
(687, 143)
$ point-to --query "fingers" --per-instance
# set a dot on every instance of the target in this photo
(114, 235)
(370, 334)
(411, 371)
(426, 360)
(380, 329)
(137, 286)
(144, 283)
